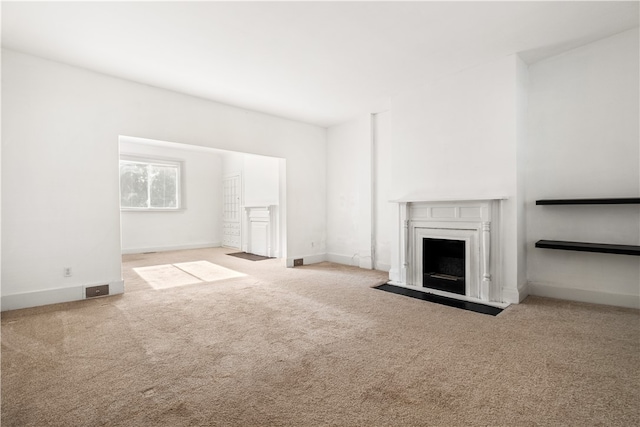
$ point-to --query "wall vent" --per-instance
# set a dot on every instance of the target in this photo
(96, 291)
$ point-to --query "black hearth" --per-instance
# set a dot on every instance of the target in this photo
(443, 265)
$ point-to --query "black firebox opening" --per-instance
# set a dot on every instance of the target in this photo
(443, 265)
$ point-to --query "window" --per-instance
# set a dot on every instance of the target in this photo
(149, 184)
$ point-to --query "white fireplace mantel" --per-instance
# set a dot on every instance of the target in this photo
(261, 237)
(434, 198)
(474, 220)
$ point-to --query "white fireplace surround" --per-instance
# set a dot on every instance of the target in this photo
(474, 221)
(261, 237)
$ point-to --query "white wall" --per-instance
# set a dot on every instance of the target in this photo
(260, 177)
(522, 110)
(458, 137)
(60, 189)
(260, 180)
(383, 216)
(232, 163)
(198, 224)
(349, 179)
(584, 143)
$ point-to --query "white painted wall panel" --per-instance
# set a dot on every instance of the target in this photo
(584, 143)
(349, 192)
(260, 180)
(384, 218)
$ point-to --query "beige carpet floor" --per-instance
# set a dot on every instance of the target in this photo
(308, 346)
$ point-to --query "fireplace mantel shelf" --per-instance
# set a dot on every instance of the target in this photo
(436, 199)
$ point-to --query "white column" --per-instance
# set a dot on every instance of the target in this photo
(485, 286)
(404, 243)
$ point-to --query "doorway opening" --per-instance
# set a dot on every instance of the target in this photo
(211, 193)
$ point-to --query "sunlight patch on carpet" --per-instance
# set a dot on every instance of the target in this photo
(184, 273)
(207, 271)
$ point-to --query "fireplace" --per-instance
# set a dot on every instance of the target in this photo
(451, 248)
(443, 265)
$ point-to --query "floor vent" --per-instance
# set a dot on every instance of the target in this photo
(96, 291)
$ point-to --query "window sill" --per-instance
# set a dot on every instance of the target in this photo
(151, 210)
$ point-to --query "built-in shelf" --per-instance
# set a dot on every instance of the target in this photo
(605, 248)
(613, 201)
(589, 247)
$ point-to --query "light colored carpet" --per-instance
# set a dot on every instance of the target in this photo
(312, 346)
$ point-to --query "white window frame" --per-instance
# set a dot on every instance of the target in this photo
(154, 161)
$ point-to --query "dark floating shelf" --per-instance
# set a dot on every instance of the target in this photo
(614, 201)
(589, 247)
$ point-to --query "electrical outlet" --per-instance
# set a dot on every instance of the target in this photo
(67, 272)
(298, 262)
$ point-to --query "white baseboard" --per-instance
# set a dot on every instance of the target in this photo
(515, 296)
(115, 287)
(380, 266)
(126, 251)
(53, 296)
(355, 261)
(394, 275)
(366, 263)
(343, 259)
(583, 295)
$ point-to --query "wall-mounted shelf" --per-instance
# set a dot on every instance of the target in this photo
(614, 201)
(589, 247)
